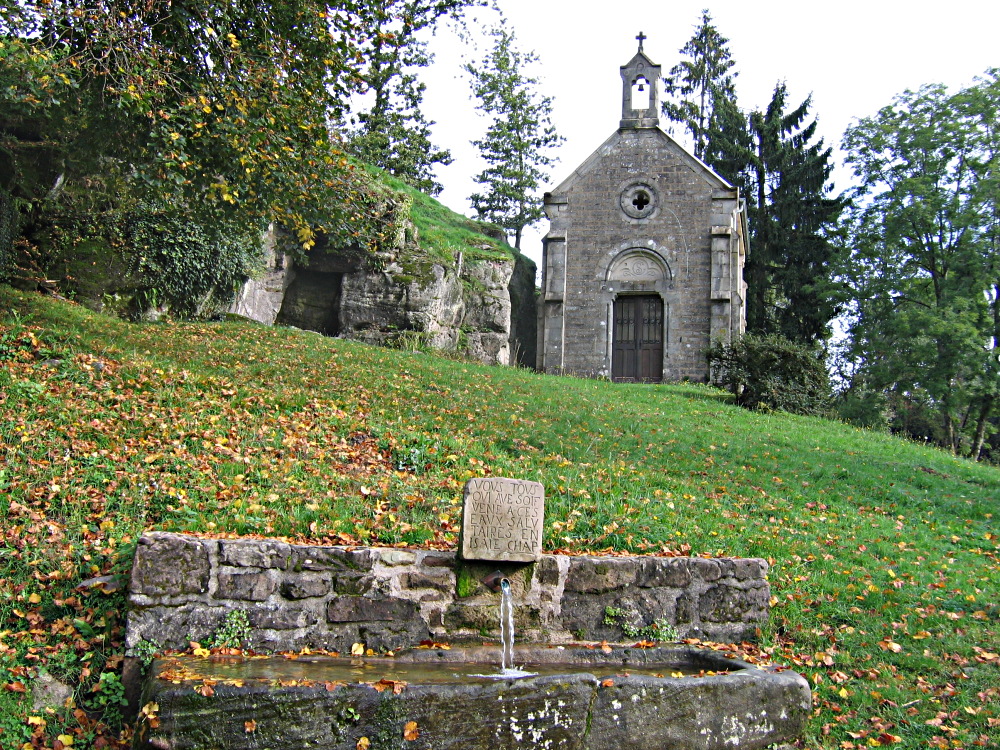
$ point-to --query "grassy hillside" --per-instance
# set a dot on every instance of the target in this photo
(884, 554)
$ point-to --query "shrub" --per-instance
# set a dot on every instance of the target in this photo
(771, 372)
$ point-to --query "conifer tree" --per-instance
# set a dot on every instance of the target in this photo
(698, 84)
(791, 211)
(393, 133)
(518, 139)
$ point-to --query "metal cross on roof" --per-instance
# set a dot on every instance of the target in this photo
(641, 38)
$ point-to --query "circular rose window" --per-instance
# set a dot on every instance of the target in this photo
(638, 200)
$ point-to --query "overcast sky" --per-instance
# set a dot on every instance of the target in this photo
(852, 56)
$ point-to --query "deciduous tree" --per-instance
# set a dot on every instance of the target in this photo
(216, 106)
(518, 140)
(924, 266)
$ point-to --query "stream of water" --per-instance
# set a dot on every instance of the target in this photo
(508, 669)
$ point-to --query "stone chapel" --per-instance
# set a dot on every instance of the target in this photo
(642, 267)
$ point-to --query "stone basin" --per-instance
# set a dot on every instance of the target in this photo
(583, 698)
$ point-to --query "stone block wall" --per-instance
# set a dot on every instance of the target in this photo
(299, 596)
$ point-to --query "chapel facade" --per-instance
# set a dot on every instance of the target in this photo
(642, 267)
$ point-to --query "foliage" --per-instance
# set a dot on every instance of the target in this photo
(700, 84)
(392, 133)
(9, 220)
(518, 138)
(234, 632)
(924, 265)
(179, 263)
(165, 260)
(660, 629)
(781, 171)
(771, 372)
(207, 106)
(784, 173)
(883, 554)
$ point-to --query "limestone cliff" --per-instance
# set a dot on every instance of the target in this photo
(479, 303)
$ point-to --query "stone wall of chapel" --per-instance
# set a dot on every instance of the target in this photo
(596, 229)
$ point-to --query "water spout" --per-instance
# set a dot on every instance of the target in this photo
(495, 580)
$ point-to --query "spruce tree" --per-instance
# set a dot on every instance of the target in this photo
(791, 212)
(518, 139)
(697, 85)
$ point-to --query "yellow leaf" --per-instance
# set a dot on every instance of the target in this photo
(34, 599)
(202, 652)
(65, 739)
(843, 693)
(363, 744)
(36, 721)
(410, 731)
(358, 649)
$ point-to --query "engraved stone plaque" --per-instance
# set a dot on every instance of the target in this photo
(502, 520)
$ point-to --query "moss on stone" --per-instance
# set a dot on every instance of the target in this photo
(465, 583)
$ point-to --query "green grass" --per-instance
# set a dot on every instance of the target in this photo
(884, 567)
(443, 233)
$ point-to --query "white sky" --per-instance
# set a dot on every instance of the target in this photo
(853, 56)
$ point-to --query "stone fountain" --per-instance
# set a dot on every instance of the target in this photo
(434, 610)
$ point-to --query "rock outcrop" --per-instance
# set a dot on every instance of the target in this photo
(483, 307)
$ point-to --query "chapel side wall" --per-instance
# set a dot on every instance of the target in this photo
(596, 230)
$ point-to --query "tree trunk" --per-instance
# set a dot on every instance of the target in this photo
(980, 436)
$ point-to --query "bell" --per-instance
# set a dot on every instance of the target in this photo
(641, 88)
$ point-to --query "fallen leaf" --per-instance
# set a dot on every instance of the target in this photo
(397, 686)
(358, 649)
(250, 726)
(607, 683)
(206, 688)
(363, 744)
(410, 731)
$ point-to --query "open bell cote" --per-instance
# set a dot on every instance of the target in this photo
(640, 105)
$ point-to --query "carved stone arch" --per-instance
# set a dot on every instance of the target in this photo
(639, 265)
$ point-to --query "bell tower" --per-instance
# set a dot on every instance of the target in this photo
(640, 102)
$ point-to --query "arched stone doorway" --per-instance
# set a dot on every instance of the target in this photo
(638, 330)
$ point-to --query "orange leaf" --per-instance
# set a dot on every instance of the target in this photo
(363, 744)
(607, 683)
(206, 689)
(250, 726)
(410, 731)
(384, 684)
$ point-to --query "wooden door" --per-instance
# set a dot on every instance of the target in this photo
(637, 347)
